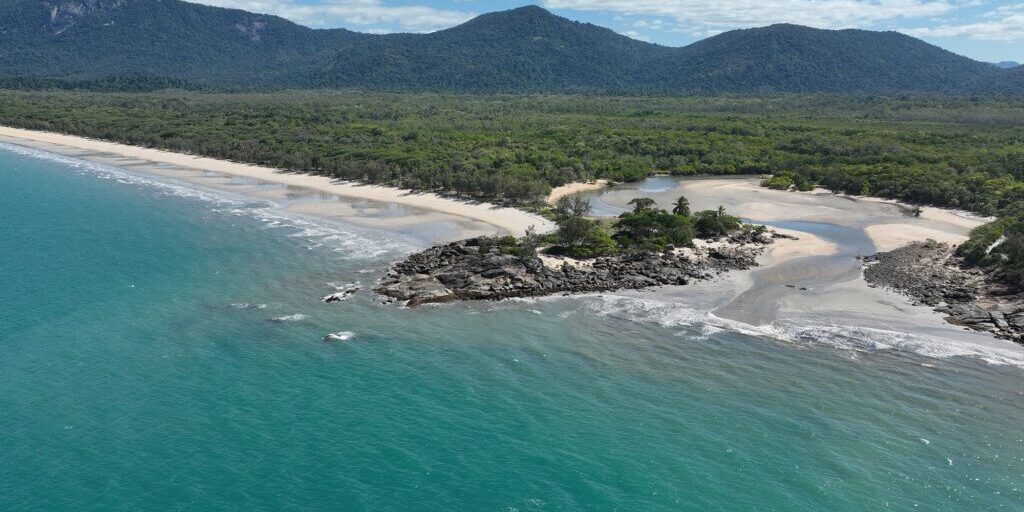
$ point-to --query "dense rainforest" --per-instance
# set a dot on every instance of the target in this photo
(954, 152)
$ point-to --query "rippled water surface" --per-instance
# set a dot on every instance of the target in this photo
(160, 348)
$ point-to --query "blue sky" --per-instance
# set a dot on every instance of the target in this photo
(988, 30)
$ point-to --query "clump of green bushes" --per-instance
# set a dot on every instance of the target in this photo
(646, 228)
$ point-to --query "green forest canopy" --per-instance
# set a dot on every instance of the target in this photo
(943, 151)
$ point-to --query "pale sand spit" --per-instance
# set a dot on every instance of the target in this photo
(574, 188)
(887, 237)
(785, 249)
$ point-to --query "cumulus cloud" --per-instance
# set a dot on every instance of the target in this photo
(1005, 24)
(358, 13)
(700, 17)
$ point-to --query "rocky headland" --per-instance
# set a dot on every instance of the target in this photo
(931, 274)
(470, 270)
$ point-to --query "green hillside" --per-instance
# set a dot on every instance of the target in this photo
(136, 44)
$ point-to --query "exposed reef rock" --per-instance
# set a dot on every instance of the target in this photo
(344, 292)
(932, 275)
(461, 271)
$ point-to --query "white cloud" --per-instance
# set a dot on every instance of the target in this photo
(633, 34)
(699, 17)
(1005, 24)
(410, 18)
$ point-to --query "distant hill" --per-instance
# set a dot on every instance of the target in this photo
(1010, 82)
(1007, 64)
(141, 44)
(792, 58)
(526, 49)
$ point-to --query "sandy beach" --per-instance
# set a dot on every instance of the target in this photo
(575, 188)
(463, 218)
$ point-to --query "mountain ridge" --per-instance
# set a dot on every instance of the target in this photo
(527, 49)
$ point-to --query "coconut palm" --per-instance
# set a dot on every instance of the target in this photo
(681, 206)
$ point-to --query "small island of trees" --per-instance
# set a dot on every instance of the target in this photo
(646, 228)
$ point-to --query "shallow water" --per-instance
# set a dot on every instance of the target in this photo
(141, 367)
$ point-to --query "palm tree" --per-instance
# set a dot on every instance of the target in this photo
(681, 207)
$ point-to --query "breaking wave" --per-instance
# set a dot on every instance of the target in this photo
(350, 241)
(339, 336)
(845, 337)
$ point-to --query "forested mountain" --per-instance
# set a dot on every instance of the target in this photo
(791, 58)
(98, 39)
(1009, 82)
(526, 49)
(140, 44)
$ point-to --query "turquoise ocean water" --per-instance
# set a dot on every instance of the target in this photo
(141, 367)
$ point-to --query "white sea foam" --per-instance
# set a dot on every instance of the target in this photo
(350, 241)
(339, 336)
(855, 338)
(247, 305)
(297, 317)
(343, 287)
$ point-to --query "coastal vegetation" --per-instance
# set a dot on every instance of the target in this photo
(646, 228)
(949, 152)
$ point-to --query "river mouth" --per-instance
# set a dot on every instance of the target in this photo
(801, 276)
(816, 281)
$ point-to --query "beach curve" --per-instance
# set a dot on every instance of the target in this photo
(506, 219)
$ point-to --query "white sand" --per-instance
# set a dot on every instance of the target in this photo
(959, 218)
(785, 249)
(886, 226)
(556, 262)
(509, 220)
(887, 237)
(573, 188)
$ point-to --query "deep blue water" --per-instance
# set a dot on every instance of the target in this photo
(141, 368)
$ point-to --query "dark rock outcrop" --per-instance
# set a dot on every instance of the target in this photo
(462, 271)
(932, 275)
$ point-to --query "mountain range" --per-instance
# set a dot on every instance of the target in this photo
(122, 43)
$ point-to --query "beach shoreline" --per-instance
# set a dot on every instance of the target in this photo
(575, 188)
(817, 279)
(507, 220)
(788, 261)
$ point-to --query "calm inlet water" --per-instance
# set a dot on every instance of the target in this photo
(141, 367)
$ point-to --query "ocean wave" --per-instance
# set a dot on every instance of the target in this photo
(845, 337)
(339, 336)
(350, 241)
